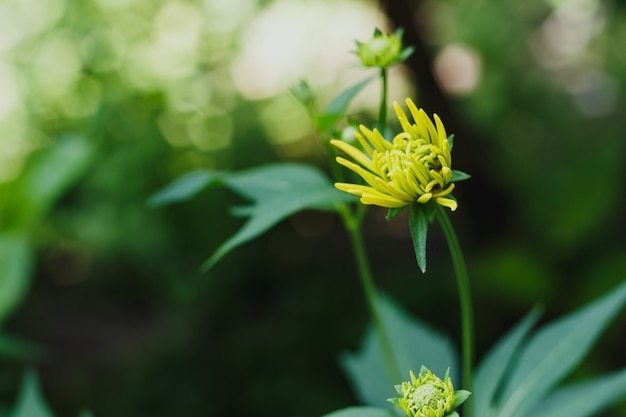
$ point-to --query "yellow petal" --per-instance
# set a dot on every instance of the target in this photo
(446, 202)
(354, 153)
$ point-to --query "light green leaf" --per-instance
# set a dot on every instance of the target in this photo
(413, 343)
(269, 181)
(583, 399)
(16, 261)
(335, 110)
(30, 402)
(278, 191)
(48, 173)
(418, 225)
(184, 188)
(361, 412)
(492, 369)
(554, 351)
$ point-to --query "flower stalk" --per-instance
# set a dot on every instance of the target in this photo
(465, 299)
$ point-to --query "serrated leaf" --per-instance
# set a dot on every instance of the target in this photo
(413, 344)
(183, 188)
(418, 225)
(16, 261)
(583, 399)
(492, 369)
(278, 191)
(554, 351)
(30, 402)
(361, 412)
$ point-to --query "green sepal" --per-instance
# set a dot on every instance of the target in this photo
(460, 396)
(459, 176)
(393, 212)
(406, 53)
(451, 141)
(419, 218)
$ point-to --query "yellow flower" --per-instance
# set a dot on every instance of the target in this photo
(414, 167)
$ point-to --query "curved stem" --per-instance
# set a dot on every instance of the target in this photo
(465, 299)
(382, 113)
(353, 225)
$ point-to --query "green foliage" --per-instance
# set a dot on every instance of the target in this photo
(517, 377)
(336, 109)
(15, 271)
(31, 402)
(48, 174)
(413, 343)
(361, 412)
(420, 216)
(553, 352)
(276, 191)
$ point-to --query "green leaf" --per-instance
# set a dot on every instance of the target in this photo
(583, 399)
(48, 173)
(30, 402)
(459, 176)
(336, 109)
(554, 351)
(184, 188)
(361, 412)
(492, 369)
(16, 262)
(413, 344)
(15, 348)
(419, 217)
(278, 191)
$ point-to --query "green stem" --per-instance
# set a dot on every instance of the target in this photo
(353, 225)
(465, 299)
(382, 113)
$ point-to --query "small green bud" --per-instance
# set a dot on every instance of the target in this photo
(428, 396)
(303, 92)
(382, 50)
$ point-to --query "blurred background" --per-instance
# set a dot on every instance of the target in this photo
(103, 102)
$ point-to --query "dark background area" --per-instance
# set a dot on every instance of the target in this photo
(129, 325)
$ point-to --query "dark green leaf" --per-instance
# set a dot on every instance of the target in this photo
(15, 348)
(583, 399)
(16, 261)
(361, 412)
(184, 188)
(418, 225)
(278, 191)
(413, 344)
(451, 141)
(492, 369)
(554, 351)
